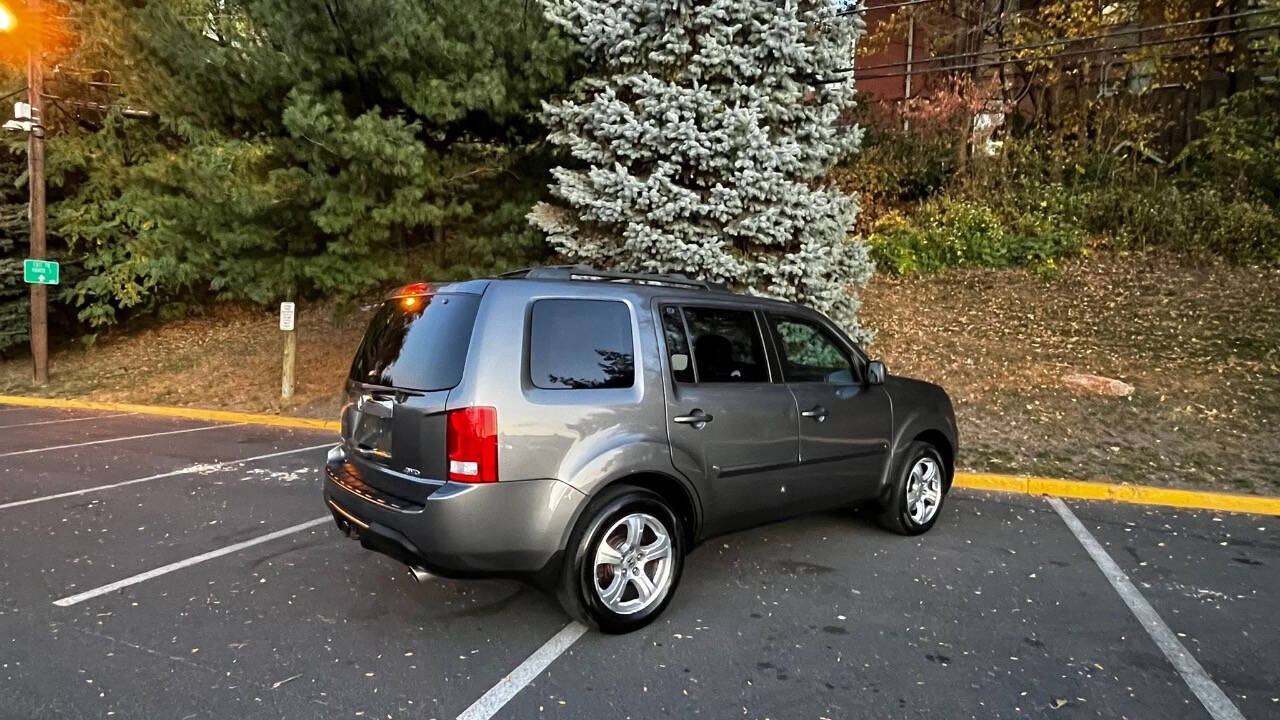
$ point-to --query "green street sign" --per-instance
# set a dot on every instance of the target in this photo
(40, 272)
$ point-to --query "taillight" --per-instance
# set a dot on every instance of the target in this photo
(472, 441)
(418, 288)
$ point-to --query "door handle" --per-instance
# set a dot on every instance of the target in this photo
(817, 412)
(696, 418)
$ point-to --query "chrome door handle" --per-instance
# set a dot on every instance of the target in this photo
(817, 412)
(696, 418)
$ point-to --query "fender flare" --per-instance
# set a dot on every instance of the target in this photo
(632, 460)
(917, 423)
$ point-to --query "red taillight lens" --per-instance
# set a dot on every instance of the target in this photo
(418, 288)
(472, 440)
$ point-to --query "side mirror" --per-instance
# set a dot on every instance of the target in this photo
(876, 372)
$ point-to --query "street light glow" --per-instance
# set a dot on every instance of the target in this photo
(6, 19)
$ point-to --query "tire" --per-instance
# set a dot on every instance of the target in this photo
(910, 512)
(619, 515)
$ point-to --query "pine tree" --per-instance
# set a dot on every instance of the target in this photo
(702, 135)
(15, 317)
(297, 148)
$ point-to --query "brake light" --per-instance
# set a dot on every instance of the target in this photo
(471, 436)
(418, 288)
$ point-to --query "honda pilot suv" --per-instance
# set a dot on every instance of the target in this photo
(584, 429)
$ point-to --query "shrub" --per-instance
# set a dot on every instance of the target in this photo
(894, 168)
(1240, 149)
(950, 232)
(1190, 218)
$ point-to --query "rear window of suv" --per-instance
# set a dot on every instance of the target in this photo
(418, 342)
(581, 344)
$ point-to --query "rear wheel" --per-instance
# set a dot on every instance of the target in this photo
(624, 560)
(915, 499)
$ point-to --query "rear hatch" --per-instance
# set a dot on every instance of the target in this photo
(393, 420)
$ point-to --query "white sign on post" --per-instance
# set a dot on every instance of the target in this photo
(286, 316)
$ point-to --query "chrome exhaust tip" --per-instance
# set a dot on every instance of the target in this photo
(418, 574)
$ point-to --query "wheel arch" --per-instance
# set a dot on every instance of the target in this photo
(943, 444)
(644, 464)
(678, 495)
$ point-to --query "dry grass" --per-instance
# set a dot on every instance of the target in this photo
(229, 359)
(1201, 344)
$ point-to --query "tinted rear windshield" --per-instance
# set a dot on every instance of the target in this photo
(417, 342)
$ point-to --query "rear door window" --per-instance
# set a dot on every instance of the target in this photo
(580, 345)
(726, 345)
(417, 342)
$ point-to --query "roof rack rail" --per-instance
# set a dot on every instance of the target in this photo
(586, 272)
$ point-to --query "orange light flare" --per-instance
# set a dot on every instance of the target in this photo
(22, 30)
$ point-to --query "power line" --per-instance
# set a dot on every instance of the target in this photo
(889, 6)
(878, 99)
(1060, 41)
(124, 110)
(19, 91)
(1070, 53)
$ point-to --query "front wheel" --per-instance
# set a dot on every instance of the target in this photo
(915, 499)
(623, 561)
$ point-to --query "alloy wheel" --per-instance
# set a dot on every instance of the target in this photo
(924, 490)
(633, 564)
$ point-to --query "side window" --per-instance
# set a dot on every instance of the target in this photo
(726, 345)
(809, 352)
(581, 344)
(677, 344)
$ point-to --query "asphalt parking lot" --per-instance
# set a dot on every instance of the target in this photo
(165, 568)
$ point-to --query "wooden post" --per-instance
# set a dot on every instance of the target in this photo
(290, 354)
(36, 211)
(288, 319)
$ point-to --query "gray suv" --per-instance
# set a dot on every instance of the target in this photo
(584, 429)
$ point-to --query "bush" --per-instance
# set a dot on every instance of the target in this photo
(892, 169)
(950, 232)
(1191, 218)
(1240, 148)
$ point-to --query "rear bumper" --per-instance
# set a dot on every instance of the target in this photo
(462, 530)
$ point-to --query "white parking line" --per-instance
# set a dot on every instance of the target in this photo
(508, 687)
(172, 473)
(171, 567)
(119, 439)
(1210, 695)
(54, 422)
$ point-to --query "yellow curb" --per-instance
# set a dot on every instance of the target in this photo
(1136, 494)
(179, 412)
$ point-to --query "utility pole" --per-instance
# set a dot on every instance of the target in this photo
(35, 181)
(906, 79)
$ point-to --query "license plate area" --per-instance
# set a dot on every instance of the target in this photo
(372, 431)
